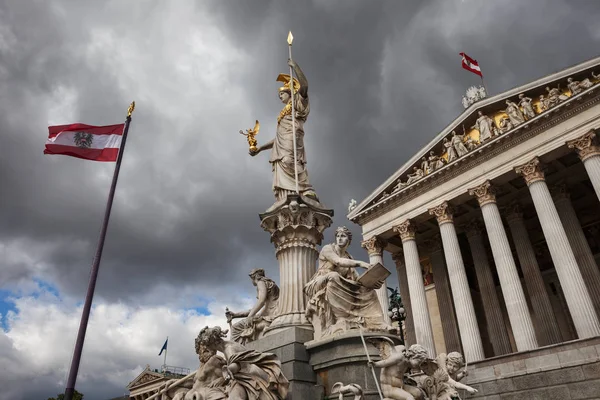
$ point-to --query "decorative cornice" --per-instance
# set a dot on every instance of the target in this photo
(560, 191)
(491, 149)
(514, 212)
(585, 146)
(374, 245)
(485, 193)
(443, 213)
(473, 228)
(406, 230)
(531, 171)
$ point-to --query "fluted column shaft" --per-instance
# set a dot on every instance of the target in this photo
(374, 247)
(574, 288)
(581, 248)
(444, 295)
(411, 337)
(514, 297)
(546, 324)
(296, 266)
(497, 329)
(463, 303)
(416, 289)
(589, 153)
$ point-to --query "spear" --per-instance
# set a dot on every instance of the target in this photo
(290, 39)
(369, 360)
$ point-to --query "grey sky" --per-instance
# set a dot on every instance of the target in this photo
(384, 78)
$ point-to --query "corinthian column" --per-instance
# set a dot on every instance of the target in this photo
(570, 277)
(296, 230)
(444, 296)
(463, 303)
(547, 327)
(416, 289)
(491, 305)
(374, 247)
(411, 337)
(579, 244)
(589, 153)
(520, 319)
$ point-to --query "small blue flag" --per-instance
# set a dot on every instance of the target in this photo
(164, 348)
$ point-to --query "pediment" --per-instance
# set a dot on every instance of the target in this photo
(413, 175)
(145, 377)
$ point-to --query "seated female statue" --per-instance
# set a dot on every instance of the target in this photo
(336, 297)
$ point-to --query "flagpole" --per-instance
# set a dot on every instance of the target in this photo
(166, 350)
(70, 389)
(290, 39)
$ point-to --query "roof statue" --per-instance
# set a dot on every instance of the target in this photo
(473, 94)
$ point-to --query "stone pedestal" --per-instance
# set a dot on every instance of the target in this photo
(296, 227)
(288, 345)
(342, 358)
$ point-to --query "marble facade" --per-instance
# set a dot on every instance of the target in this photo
(520, 265)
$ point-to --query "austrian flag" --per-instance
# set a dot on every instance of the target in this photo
(98, 143)
(470, 65)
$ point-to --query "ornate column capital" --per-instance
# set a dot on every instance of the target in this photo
(485, 193)
(443, 213)
(374, 245)
(406, 230)
(514, 212)
(531, 171)
(560, 191)
(585, 146)
(474, 228)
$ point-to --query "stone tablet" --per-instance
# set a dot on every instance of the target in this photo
(371, 277)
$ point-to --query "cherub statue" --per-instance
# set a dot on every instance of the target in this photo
(444, 377)
(351, 388)
(250, 135)
(261, 314)
(395, 362)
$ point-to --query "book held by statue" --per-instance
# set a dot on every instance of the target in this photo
(372, 277)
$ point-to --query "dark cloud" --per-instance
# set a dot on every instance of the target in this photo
(384, 78)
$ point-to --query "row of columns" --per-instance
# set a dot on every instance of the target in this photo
(570, 252)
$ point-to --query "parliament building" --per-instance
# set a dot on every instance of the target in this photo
(494, 229)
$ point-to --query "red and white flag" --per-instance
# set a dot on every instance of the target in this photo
(98, 143)
(470, 65)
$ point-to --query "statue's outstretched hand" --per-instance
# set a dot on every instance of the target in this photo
(254, 152)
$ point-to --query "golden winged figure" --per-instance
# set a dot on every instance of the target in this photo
(250, 135)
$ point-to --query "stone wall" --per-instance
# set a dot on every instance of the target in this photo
(569, 370)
